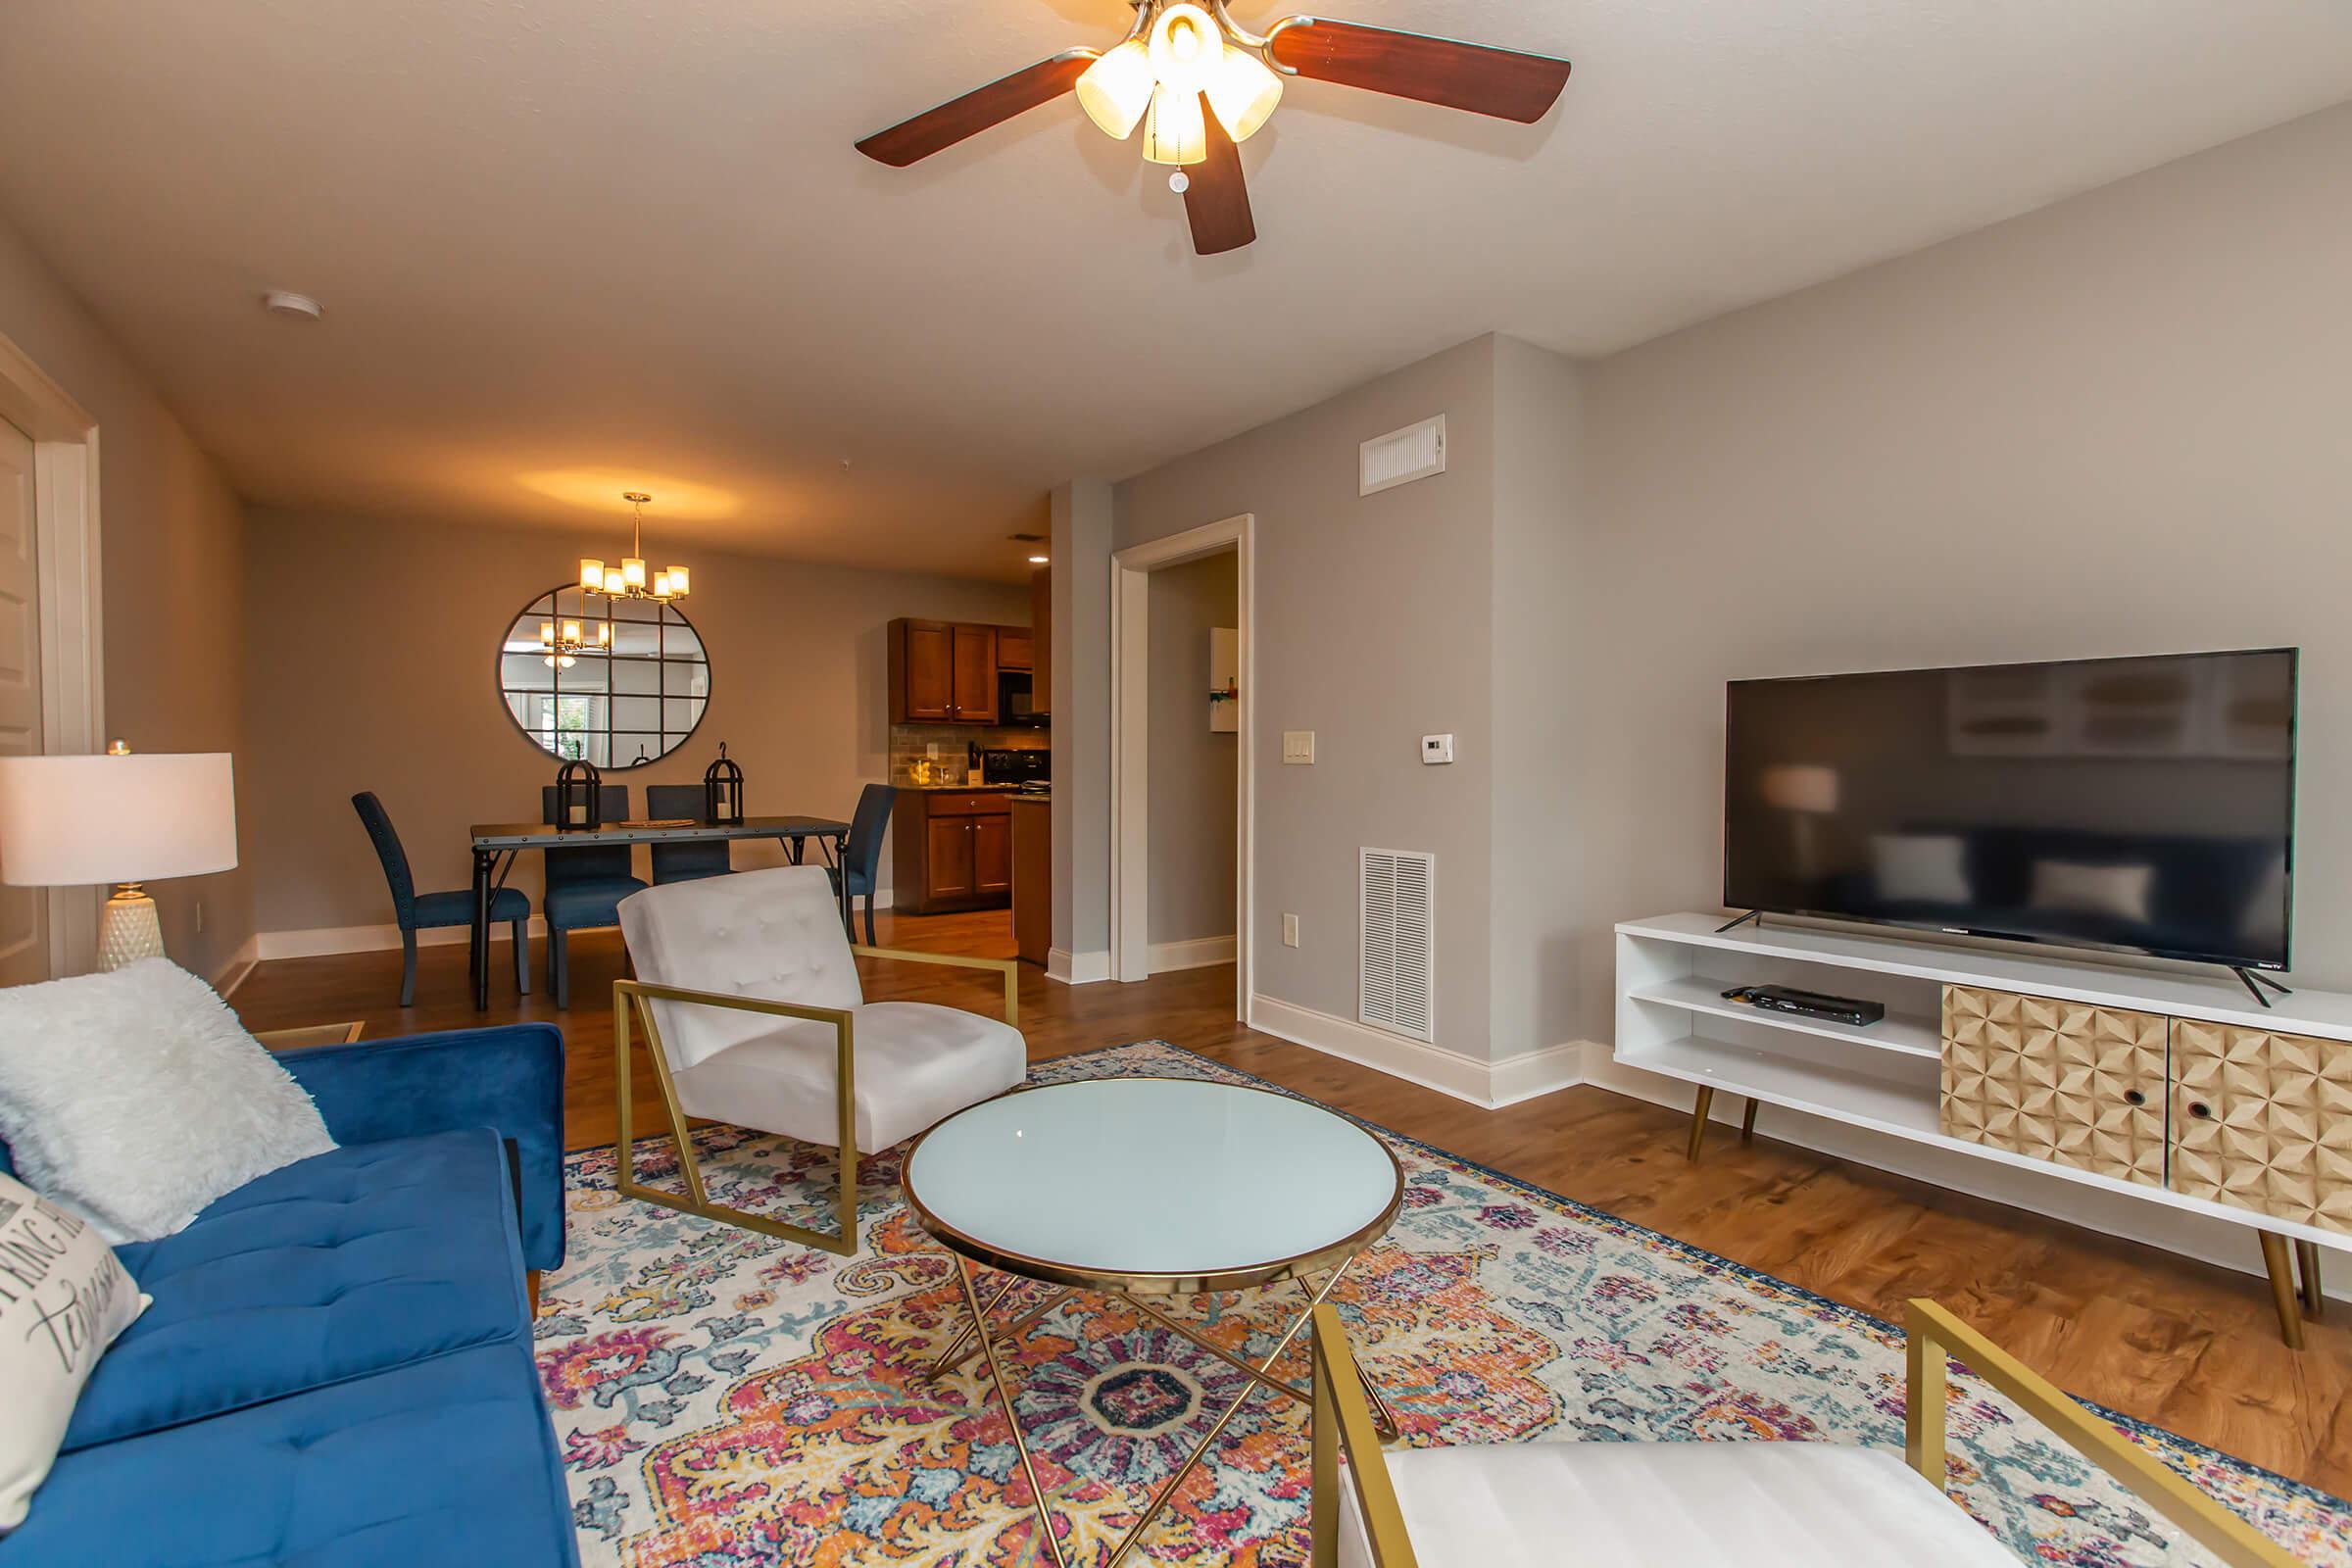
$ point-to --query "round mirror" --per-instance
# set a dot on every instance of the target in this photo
(618, 682)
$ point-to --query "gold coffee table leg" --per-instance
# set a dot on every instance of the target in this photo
(1012, 1417)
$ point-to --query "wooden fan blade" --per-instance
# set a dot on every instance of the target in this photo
(937, 129)
(1217, 201)
(1501, 82)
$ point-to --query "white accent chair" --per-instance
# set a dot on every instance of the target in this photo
(748, 991)
(1707, 1504)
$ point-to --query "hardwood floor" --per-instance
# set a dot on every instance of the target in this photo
(2179, 1343)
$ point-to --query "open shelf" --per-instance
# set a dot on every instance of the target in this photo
(1910, 1035)
(1825, 1088)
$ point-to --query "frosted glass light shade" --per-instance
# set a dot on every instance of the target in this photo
(592, 571)
(1186, 47)
(615, 584)
(632, 571)
(70, 821)
(1174, 132)
(677, 581)
(661, 585)
(1116, 90)
(1243, 93)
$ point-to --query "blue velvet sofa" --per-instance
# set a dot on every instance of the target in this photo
(337, 1367)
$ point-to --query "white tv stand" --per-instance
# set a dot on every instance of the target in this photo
(1890, 1077)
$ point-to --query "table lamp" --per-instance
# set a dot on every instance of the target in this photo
(72, 822)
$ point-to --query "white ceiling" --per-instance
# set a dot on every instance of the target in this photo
(573, 246)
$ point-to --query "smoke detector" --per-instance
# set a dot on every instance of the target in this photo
(299, 306)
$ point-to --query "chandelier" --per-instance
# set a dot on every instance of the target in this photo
(628, 579)
(560, 643)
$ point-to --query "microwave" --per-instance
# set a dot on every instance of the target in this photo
(1015, 698)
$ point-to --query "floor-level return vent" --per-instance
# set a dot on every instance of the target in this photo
(1399, 948)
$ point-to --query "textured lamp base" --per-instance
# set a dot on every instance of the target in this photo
(128, 930)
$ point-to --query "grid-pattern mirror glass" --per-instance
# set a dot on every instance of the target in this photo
(631, 694)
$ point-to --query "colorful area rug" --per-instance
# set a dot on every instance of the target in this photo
(726, 1398)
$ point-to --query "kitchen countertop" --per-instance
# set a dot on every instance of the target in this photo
(956, 789)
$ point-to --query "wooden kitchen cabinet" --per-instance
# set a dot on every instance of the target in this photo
(952, 849)
(1013, 651)
(942, 672)
(992, 854)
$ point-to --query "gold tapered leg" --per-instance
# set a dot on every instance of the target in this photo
(1748, 1124)
(1698, 1120)
(2283, 1288)
(1012, 1417)
(2307, 1257)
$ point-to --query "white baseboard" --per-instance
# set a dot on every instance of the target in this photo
(1077, 969)
(2211, 1241)
(239, 966)
(1485, 1084)
(1197, 953)
(322, 941)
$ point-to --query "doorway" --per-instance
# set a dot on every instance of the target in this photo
(52, 679)
(24, 956)
(1181, 630)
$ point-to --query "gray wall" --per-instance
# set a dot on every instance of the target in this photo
(2116, 425)
(1081, 514)
(1191, 768)
(171, 542)
(411, 711)
(1373, 628)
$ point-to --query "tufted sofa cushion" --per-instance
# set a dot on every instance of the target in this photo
(445, 1462)
(773, 934)
(368, 1257)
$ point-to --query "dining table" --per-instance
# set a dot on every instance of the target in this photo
(497, 845)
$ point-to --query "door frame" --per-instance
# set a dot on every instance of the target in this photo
(1131, 571)
(67, 567)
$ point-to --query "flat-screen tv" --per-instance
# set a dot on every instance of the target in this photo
(2142, 804)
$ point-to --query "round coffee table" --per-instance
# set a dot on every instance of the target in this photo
(1143, 1187)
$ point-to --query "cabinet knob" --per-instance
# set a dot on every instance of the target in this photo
(2133, 1097)
(2201, 1110)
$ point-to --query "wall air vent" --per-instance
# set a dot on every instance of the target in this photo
(1400, 947)
(1403, 455)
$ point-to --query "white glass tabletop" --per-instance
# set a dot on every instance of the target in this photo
(1152, 1184)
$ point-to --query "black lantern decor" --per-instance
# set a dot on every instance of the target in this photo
(579, 796)
(722, 791)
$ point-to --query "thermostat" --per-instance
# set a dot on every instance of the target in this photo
(1436, 748)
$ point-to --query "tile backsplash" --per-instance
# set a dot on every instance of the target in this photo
(907, 743)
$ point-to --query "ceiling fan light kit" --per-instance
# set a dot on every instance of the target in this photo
(1200, 83)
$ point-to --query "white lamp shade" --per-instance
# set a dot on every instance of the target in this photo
(67, 821)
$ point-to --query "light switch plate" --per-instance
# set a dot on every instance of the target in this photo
(1436, 748)
(1297, 746)
(1290, 930)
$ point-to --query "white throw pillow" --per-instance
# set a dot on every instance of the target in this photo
(1919, 867)
(136, 1099)
(62, 1300)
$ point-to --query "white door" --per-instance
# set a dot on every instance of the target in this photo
(23, 912)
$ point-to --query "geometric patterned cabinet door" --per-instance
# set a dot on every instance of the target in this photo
(2060, 1081)
(2263, 1122)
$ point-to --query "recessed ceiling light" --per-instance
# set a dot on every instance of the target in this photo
(1038, 560)
(281, 302)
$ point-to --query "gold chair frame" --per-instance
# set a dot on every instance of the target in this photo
(632, 999)
(1344, 1421)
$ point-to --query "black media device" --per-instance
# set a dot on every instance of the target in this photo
(2138, 805)
(1808, 1003)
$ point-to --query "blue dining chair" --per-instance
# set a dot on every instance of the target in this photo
(684, 862)
(862, 853)
(584, 885)
(431, 912)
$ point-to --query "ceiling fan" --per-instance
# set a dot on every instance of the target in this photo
(1199, 83)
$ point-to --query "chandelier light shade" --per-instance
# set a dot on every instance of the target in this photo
(1116, 90)
(630, 579)
(1243, 93)
(1174, 131)
(1186, 48)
